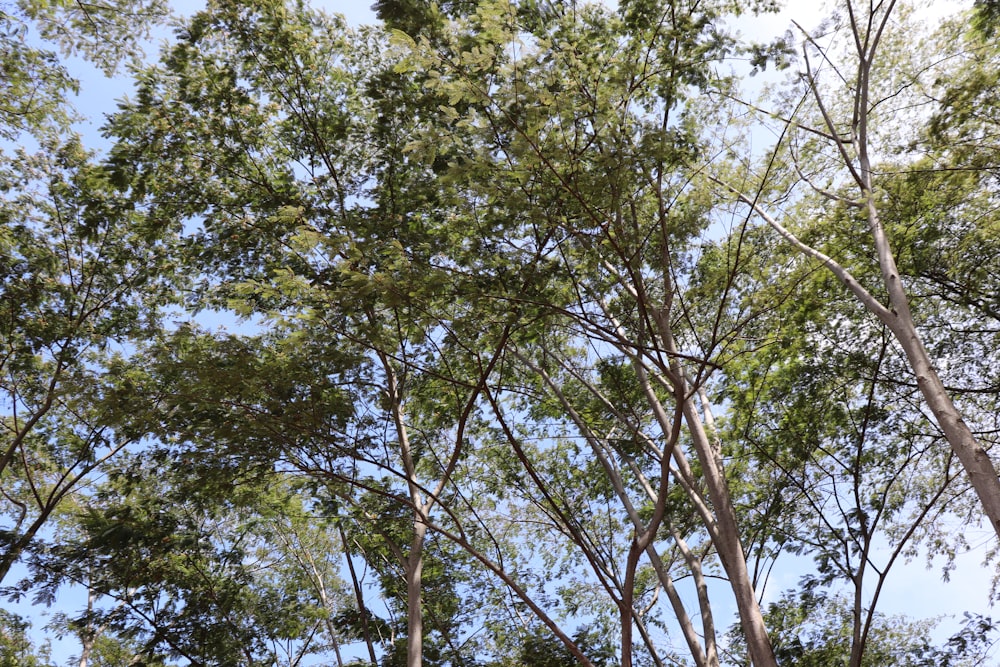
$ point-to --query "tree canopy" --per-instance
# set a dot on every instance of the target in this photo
(502, 332)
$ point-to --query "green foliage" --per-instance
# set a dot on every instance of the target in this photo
(16, 647)
(33, 34)
(224, 572)
(35, 83)
(106, 33)
(814, 630)
(987, 17)
(82, 277)
(112, 652)
(537, 649)
(478, 274)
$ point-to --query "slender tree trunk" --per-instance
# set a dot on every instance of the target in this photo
(628, 593)
(981, 470)
(982, 473)
(413, 562)
(727, 542)
(414, 567)
(598, 445)
(89, 635)
(711, 656)
(729, 546)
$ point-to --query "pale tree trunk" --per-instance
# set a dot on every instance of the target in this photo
(413, 561)
(414, 568)
(644, 537)
(982, 473)
(727, 539)
(89, 634)
(720, 519)
(703, 657)
(896, 316)
(420, 501)
(711, 657)
(970, 453)
(729, 545)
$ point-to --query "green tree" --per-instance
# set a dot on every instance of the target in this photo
(339, 273)
(581, 171)
(846, 403)
(815, 630)
(837, 458)
(16, 647)
(409, 225)
(492, 303)
(81, 274)
(837, 128)
(231, 570)
(33, 36)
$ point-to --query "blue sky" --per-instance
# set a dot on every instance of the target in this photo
(914, 589)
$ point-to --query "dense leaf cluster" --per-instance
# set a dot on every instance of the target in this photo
(488, 336)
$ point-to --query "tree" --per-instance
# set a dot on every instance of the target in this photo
(33, 98)
(580, 171)
(82, 275)
(503, 342)
(811, 629)
(376, 421)
(836, 455)
(847, 135)
(80, 272)
(568, 170)
(16, 648)
(397, 277)
(231, 570)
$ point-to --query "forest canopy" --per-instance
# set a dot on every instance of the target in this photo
(497, 333)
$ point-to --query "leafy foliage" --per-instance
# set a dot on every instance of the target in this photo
(16, 647)
(511, 377)
(811, 629)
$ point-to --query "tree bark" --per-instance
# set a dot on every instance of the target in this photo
(729, 545)
(412, 562)
(980, 469)
(414, 567)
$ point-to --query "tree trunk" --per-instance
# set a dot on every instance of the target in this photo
(413, 562)
(729, 545)
(727, 541)
(414, 567)
(970, 453)
(982, 473)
